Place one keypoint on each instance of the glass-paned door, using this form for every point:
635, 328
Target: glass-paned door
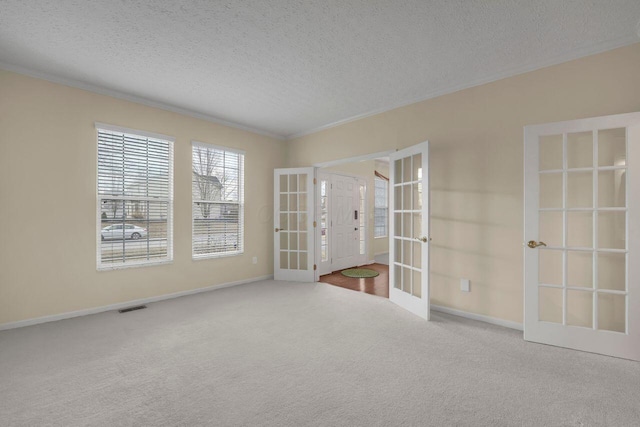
409, 229
581, 235
293, 218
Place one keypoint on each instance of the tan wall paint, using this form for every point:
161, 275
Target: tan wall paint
48, 201
477, 165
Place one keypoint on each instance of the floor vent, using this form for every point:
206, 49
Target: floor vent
128, 309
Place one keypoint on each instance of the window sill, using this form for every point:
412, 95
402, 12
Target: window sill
133, 265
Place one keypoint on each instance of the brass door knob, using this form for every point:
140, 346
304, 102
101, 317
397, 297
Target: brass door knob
423, 239
280, 229
533, 244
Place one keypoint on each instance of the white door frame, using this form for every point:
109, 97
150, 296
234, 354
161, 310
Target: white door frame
626, 345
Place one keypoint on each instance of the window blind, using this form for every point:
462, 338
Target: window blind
135, 198
218, 201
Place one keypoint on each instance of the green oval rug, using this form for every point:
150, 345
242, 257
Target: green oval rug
360, 273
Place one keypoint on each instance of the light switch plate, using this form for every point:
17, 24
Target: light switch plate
465, 285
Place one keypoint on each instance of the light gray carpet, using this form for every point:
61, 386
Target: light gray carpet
291, 354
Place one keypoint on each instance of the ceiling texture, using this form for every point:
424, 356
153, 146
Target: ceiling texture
291, 67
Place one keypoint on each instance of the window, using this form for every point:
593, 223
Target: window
135, 198
218, 201
381, 207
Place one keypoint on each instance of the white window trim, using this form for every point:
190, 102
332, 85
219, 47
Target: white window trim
141, 263
241, 204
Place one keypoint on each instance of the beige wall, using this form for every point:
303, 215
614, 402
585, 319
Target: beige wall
48, 201
477, 165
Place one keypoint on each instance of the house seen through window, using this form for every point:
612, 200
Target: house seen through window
218, 201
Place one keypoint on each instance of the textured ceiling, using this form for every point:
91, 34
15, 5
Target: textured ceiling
287, 67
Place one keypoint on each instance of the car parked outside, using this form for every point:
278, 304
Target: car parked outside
120, 231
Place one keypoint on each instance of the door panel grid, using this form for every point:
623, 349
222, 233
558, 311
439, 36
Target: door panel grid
581, 206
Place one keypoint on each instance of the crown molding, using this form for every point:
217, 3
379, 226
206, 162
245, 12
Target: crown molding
133, 98
509, 72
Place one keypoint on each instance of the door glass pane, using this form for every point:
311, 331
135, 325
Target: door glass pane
284, 202
612, 312
293, 202
302, 221
397, 280
611, 230
417, 283
303, 261
406, 197
293, 221
293, 183
551, 190
550, 230
406, 252
397, 224
397, 198
579, 308
612, 189
406, 280
293, 241
417, 167
406, 169
580, 269
550, 152
397, 171
612, 271
303, 242
406, 225
284, 221
417, 224
284, 240
579, 190
417, 196
302, 178
302, 202
612, 147
284, 260
550, 267
580, 150
550, 304
293, 260
284, 180
417, 254
397, 251
580, 229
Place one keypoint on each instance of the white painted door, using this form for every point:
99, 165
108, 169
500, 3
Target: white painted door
345, 229
409, 229
293, 218
582, 235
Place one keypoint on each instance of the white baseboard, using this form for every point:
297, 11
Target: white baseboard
480, 317
118, 306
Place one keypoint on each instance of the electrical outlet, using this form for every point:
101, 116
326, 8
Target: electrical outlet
255, 260
465, 285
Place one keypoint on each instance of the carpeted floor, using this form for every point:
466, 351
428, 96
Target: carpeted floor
290, 354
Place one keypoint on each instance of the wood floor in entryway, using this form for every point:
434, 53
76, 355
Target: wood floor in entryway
378, 285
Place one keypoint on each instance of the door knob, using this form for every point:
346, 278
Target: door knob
424, 239
533, 244
280, 229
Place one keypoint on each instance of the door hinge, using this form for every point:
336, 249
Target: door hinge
315, 267
314, 224
314, 181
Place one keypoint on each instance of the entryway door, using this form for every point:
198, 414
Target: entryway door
409, 229
582, 235
294, 211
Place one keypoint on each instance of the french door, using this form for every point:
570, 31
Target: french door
582, 235
409, 229
293, 219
